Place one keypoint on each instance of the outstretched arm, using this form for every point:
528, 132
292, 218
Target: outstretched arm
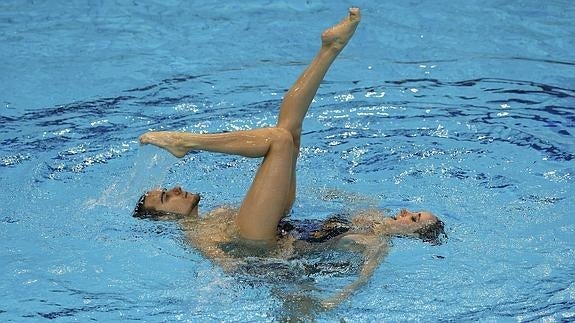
373, 250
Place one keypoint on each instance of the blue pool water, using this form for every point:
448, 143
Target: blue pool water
463, 109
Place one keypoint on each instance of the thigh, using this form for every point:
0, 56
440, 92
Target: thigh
265, 202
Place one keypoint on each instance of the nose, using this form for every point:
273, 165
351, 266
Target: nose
403, 212
177, 190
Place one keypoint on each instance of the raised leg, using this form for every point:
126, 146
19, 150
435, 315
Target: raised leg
273, 189
259, 215
298, 99
264, 203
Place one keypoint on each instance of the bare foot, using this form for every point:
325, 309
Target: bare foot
336, 37
168, 140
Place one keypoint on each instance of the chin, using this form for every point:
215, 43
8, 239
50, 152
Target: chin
194, 211
196, 201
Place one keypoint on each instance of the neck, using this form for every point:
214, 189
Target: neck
372, 220
192, 219
384, 227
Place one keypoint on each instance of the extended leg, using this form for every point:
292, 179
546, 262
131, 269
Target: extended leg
298, 99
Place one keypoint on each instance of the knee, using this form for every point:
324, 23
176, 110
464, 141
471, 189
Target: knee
296, 137
281, 138
295, 133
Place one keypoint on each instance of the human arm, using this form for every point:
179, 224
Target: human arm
373, 250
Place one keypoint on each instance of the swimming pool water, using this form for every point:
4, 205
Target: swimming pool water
466, 110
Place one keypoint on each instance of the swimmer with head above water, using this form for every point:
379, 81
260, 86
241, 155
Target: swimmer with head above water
261, 216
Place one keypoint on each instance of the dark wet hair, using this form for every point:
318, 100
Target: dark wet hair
433, 233
141, 212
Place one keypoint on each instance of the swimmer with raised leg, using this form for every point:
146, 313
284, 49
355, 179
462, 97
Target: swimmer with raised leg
273, 189
272, 192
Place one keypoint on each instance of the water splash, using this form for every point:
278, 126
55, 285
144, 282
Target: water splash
150, 169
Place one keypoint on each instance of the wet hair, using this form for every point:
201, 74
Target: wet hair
433, 233
141, 212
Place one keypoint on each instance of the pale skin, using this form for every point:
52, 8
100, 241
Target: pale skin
273, 189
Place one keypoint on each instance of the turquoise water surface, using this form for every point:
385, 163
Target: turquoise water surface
465, 109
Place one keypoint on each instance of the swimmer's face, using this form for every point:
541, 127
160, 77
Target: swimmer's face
175, 200
407, 222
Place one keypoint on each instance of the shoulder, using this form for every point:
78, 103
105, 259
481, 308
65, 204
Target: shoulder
223, 210
216, 226
364, 243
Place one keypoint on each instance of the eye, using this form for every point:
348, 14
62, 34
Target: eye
416, 217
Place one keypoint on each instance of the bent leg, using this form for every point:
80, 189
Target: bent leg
272, 191
247, 143
264, 203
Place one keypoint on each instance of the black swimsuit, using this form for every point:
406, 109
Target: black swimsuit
314, 230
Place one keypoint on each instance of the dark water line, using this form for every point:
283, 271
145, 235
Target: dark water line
512, 58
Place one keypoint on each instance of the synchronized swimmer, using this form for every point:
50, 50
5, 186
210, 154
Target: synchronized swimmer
262, 215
